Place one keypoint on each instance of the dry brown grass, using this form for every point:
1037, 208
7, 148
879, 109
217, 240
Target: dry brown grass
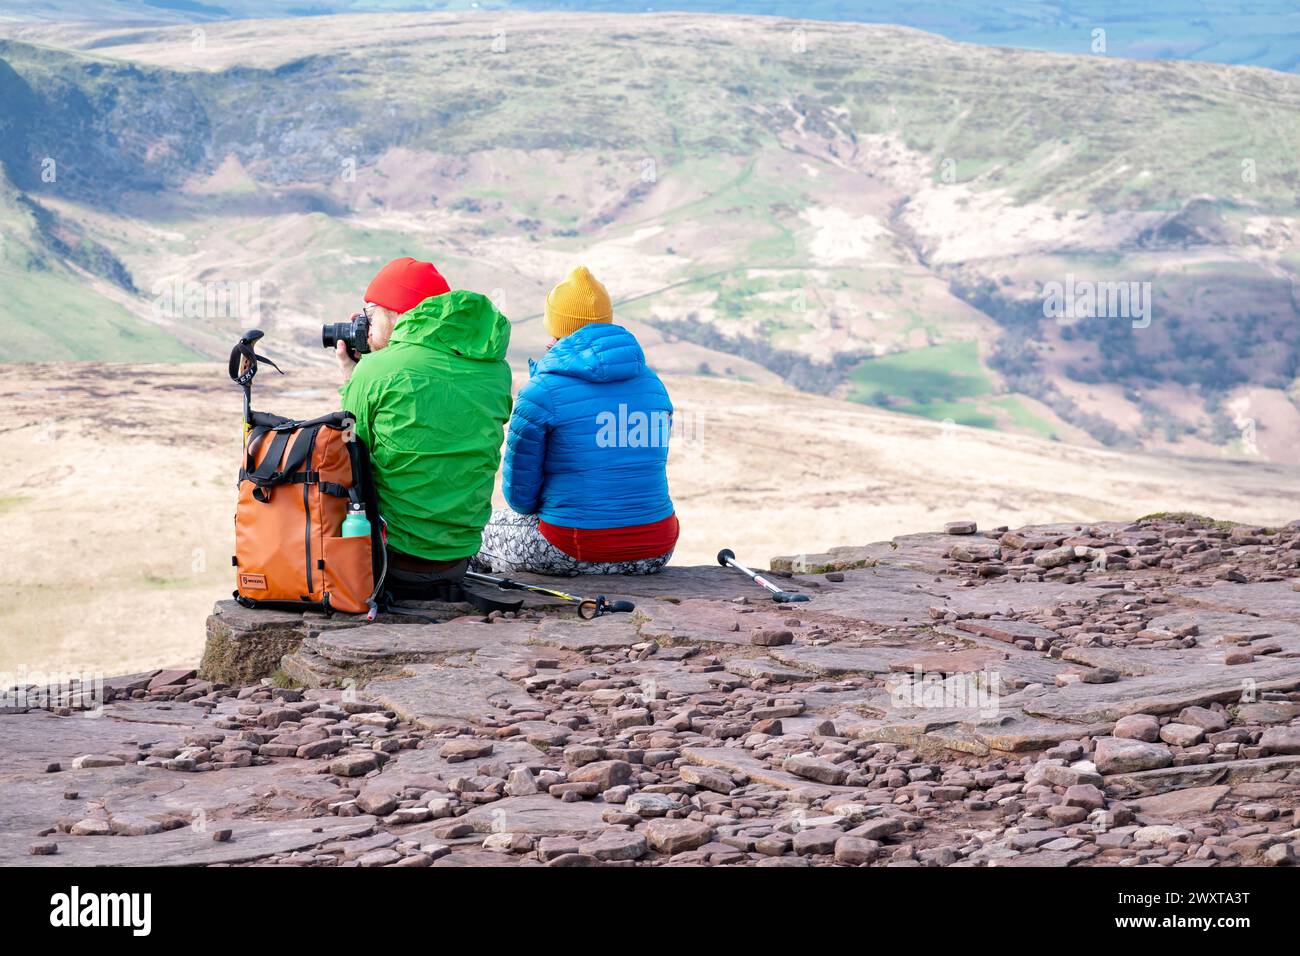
122, 487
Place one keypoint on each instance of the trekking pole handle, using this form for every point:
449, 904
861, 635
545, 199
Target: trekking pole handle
590, 609
727, 558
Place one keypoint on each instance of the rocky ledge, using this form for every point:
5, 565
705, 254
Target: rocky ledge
1115, 694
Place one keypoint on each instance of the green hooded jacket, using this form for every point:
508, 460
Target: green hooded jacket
431, 407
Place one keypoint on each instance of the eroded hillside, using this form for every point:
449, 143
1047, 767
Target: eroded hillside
863, 211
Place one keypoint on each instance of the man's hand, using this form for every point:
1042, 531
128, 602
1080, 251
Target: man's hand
346, 362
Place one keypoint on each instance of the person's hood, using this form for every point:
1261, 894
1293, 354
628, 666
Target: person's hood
460, 322
598, 352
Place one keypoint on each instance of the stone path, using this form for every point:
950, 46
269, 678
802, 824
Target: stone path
1053, 696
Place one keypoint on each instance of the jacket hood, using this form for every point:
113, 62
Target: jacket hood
460, 322
597, 353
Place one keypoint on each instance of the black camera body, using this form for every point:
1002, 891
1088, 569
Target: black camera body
355, 333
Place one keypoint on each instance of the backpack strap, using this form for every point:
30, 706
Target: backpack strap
267, 473
302, 446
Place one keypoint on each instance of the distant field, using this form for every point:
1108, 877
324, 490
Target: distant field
945, 383
931, 382
119, 531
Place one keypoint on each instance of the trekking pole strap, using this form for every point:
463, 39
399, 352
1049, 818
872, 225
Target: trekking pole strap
244, 360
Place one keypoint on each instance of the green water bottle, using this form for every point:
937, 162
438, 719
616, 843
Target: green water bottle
356, 524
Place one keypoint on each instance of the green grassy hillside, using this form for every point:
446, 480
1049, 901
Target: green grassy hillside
873, 212
52, 311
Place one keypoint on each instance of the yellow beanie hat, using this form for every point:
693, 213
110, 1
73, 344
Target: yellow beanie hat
577, 301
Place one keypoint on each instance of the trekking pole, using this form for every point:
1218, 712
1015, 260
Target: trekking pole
588, 608
243, 368
727, 558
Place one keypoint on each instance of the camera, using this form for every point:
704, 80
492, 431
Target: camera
355, 333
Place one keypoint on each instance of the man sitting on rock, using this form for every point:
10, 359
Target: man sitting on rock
430, 401
585, 470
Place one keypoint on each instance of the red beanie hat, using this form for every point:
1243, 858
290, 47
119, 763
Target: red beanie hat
405, 283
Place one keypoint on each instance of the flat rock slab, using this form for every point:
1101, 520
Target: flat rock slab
741, 761
1162, 693
896, 610
1019, 734
1124, 663
1213, 625
414, 642
1266, 712
251, 840
1202, 775
1017, 672
883, 595
967, 730
756, 668
1006, 631
667, 676
839, 660
509, 751
539, 814
480, 858
678, 582
34, 739
503, 658
705, 622
610, 630
1046, 858
35, 801
899, 595
433, 696
1270, 599
964, 661
870, 700
1180, 803
1015, 667
1007, 597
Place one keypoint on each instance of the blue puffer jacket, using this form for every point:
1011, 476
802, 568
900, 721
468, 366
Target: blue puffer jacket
588, 441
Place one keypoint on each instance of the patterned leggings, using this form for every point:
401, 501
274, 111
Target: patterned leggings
512, 542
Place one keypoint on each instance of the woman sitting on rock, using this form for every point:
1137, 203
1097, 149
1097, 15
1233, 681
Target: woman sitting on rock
587, 451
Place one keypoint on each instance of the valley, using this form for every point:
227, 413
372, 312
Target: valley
865, 212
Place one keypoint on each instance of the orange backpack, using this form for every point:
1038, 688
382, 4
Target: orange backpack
295, 486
